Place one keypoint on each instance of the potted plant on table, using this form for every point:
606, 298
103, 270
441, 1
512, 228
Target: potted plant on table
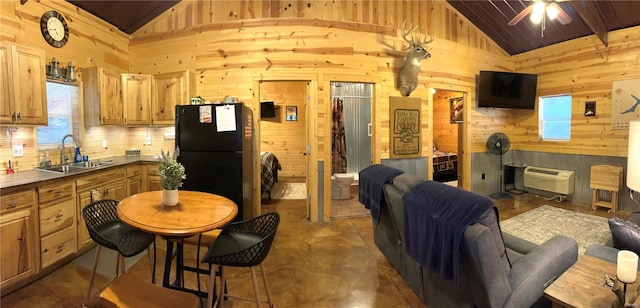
171, 176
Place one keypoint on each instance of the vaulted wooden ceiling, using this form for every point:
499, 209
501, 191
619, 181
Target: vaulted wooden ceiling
589, 17
490, 16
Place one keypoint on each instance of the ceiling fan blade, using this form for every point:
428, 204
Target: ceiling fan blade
562, 17
521, 15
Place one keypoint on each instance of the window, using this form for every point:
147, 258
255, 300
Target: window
64, 114
554, 119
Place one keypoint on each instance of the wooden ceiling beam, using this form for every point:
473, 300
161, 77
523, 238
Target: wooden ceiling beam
589, 14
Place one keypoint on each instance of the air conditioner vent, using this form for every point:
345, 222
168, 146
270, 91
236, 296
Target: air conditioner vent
553, 180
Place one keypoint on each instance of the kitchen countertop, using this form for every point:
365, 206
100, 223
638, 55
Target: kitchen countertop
25, 177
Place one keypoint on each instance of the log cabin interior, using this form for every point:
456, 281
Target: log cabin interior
293, 53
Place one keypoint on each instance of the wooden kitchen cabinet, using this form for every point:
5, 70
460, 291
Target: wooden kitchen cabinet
169, 90
152, 177
23, 85
136, 99
102, 96
108, 184
57, 208
17, 237
134, 180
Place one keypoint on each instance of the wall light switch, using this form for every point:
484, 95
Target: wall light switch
148, 140
18, 150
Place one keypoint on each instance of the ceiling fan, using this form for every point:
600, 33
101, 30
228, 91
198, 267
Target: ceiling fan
538, 10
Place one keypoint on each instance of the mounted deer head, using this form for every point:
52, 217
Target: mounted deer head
407, 79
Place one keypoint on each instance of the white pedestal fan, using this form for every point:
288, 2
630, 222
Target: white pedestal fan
498, 144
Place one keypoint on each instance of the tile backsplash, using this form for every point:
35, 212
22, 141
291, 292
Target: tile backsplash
118, 139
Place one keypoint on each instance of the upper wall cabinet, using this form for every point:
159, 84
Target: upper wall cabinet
23, 85
169, 90
136, 99
102, 97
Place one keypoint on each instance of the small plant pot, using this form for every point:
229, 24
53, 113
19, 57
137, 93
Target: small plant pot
169, 197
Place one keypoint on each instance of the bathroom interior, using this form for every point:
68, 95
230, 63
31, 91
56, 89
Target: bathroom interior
351, 104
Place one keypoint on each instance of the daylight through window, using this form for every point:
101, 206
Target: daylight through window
63, 113
554, 118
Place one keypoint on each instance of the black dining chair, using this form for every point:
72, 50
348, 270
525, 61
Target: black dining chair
242, 244
107, 230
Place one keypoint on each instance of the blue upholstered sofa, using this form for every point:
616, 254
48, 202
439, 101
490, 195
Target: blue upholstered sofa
495, 269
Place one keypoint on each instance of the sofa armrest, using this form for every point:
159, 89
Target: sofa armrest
634, 218
517, 244
539, 268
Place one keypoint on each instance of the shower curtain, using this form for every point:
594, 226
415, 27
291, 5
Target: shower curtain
339, 143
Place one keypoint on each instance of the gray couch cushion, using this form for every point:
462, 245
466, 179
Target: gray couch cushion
490, 221
626, 234
406, 181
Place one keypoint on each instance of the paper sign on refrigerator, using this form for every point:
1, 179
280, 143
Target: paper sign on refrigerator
226, 118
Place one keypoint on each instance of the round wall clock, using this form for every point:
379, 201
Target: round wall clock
54, 29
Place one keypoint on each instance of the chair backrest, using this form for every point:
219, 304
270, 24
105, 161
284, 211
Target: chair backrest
264, 227
100, 212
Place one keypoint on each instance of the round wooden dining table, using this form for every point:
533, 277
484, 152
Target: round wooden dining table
195, 213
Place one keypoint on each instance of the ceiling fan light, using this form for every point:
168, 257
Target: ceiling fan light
538, 12
552, 12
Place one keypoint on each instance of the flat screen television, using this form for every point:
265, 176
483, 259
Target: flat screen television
267, 110
507, 90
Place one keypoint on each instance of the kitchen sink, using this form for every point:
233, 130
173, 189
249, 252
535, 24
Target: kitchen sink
77, 167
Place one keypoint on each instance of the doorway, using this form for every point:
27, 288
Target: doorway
448, 107
351, 104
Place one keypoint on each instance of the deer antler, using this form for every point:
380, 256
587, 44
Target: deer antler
413, 41
404, 33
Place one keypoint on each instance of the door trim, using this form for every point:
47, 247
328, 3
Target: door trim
312, 124
376, 124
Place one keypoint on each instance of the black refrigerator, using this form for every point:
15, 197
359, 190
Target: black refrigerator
216, 149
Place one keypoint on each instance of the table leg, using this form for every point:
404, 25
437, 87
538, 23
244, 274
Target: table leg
167, 264
179, 262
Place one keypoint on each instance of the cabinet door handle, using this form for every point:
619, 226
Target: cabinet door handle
60, 248
59, 217
19, 117
13, 117
13, 203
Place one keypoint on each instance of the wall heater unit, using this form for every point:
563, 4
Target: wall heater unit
553, 180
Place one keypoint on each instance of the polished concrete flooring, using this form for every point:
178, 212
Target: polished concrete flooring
334, 264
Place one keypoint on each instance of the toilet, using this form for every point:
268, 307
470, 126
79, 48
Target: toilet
341, 186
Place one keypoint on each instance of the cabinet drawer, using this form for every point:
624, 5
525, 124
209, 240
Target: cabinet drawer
152, 170
57, 217
100, 179
57, 246
18, 200
134, 171
55, 192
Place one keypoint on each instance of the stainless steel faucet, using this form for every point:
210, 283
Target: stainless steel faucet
63, 160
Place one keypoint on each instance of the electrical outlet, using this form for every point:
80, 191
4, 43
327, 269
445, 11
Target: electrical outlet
148, 141
18, 150
104, 143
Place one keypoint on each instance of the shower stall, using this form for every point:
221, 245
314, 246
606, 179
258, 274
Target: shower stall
351, 105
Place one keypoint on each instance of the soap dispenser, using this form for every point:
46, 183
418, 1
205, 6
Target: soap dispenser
78, 157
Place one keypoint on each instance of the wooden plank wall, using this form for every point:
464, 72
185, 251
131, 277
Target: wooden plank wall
584, 68
285, 139
230, 43
92, 42
445, 134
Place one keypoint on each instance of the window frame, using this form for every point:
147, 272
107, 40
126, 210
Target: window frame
73, 116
